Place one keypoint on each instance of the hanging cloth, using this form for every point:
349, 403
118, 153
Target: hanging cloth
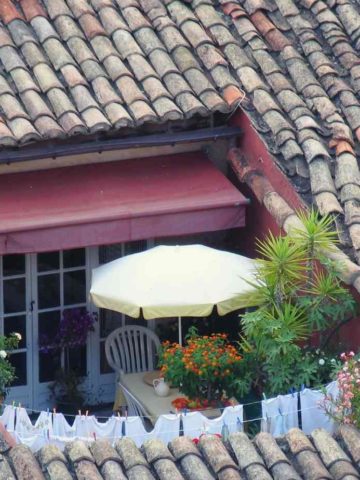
89, 427
134, 428
8, 418
61, 427
312, 414
167, 427
279, 414
34, 436
196, 424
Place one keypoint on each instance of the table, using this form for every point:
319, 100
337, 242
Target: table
145, 394
152, 403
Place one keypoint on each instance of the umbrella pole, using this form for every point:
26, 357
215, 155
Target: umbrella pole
180, 331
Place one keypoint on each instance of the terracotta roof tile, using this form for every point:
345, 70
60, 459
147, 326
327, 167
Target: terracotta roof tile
72, 124
10, 59
80, 7
133, 61
35, 105
111, 20
21, 32
33, 54
43, 28
118, 116
46, 77
23, 80
91, 26
49, 128
58, 55
264, 458
104, 91
95, 120
67, 28
8, 12
32, 9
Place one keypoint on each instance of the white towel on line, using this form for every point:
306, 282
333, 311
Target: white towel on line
279, 414
196, 424
312, 414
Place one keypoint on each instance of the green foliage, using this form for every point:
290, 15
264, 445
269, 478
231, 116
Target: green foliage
7, 371
297, 292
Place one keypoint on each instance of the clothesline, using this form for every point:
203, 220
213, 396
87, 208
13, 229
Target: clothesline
228, 424
278, 415
184, 411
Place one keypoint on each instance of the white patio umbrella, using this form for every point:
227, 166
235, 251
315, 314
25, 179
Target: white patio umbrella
168, 281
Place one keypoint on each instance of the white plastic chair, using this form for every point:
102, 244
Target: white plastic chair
131, 349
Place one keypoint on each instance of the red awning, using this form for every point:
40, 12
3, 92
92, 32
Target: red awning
115, 202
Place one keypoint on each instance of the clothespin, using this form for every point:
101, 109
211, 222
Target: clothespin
19, 404
13, 403
86, 413
118, 414
54, 410
239, 424
264, 396
47, 411
225, 432
79, 412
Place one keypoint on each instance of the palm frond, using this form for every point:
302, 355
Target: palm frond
318, 234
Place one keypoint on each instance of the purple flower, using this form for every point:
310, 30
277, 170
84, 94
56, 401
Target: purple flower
74, 328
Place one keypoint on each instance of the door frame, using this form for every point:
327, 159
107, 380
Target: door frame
23, 394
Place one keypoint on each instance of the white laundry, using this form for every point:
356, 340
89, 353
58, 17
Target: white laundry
34, 436
134, 428
8, 418
61, 427
279, 414
312, 414
167, 427
196, 424
89, 427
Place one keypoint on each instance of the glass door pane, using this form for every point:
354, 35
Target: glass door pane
15, 316
61, 284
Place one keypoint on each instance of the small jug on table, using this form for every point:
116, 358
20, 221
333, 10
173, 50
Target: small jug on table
162, 389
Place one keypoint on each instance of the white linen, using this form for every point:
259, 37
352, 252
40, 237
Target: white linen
34, 436
312, 414
89, 427
279, 414
196, 424
61, 427
8, 418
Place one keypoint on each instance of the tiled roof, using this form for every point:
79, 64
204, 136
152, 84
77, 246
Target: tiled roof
78, 66
299, 64
89, 66
292, 457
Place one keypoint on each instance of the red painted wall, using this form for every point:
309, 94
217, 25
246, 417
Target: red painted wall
258, 220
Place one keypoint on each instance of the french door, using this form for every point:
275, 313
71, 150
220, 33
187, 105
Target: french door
34, 292
36, 289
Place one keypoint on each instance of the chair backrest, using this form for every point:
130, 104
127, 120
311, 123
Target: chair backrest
132, 349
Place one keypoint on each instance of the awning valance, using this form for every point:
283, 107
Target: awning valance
115, 202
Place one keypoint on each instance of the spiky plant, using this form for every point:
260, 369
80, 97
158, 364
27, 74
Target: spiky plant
297, 292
